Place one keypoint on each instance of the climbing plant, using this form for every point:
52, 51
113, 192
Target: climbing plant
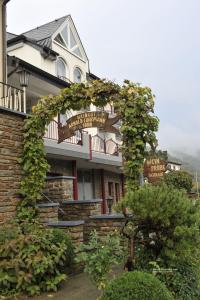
133, 103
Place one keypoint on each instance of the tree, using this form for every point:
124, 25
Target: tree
165, 225
179, 179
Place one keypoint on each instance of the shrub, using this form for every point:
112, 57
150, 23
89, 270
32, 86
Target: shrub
136, 286
165, 225
99, 255
59, 236
183, 282
30, 261
179, 180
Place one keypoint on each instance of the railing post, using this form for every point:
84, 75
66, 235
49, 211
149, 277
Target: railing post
104, 146
24, 89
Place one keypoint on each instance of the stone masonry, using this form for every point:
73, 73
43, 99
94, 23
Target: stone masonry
103, 224
80, 209
59, 188
11, 136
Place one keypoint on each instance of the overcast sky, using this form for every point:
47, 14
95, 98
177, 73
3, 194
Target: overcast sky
154, 42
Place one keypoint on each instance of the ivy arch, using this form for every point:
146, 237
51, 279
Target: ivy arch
133, 103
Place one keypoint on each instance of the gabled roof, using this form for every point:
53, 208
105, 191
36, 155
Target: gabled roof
10, 36
42, 34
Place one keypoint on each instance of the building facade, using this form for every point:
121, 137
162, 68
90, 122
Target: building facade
42, 61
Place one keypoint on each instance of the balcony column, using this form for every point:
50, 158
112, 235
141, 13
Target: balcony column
103, 207
75, 181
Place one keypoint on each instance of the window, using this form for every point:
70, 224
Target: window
62, 70
77, 75
69, 39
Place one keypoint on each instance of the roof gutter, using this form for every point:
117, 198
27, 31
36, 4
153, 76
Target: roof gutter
22, 38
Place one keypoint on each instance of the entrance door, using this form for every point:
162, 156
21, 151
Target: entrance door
85, 185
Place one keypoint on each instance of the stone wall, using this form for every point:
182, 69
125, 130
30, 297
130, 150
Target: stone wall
103, 224
74, 228
48, 212
80, 209
11, 136
59, 188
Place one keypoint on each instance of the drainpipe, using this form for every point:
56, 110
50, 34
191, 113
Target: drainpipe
3, 42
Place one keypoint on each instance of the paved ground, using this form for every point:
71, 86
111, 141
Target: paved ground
77, 287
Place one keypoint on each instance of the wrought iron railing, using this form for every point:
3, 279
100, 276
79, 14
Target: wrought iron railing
12, 98
104, 146
52, 134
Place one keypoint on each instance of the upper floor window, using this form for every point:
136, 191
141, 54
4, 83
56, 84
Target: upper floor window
77, 75
62, 69
67, 38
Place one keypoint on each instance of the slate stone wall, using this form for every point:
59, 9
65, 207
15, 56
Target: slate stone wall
80, 210
59, 188
11, 136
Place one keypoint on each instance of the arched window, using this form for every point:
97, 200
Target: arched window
77, 75
62, 70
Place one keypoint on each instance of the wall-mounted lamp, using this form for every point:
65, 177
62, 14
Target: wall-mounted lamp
24, 81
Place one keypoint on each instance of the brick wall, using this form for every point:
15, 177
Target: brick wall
11, 135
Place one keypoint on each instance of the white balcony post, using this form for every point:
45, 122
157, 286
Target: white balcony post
24, 89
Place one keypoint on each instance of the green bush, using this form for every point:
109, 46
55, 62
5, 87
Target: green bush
30, 261
99, 255
183, 282
136, 286
165, 225
59, 236
179, 180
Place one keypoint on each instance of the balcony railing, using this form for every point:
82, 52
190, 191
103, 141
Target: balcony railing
52, 134
12, 98
104, 146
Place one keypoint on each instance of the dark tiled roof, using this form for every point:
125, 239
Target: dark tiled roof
10, 36
42, 34
45, 42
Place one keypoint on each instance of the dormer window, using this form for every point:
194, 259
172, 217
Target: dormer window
62, 69
77, 75
68, 39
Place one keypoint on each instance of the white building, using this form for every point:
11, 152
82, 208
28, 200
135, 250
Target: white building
40, 62
173, 166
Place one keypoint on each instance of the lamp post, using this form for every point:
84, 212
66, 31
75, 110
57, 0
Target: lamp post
24, 80
109, 203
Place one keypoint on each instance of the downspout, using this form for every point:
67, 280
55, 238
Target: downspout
3, 42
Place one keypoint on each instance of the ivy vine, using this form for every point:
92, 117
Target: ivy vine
133, 103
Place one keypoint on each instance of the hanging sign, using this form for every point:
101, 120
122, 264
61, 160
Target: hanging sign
154, 169
97, 119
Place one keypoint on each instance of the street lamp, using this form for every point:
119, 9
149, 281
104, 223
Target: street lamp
109, 203
24, 81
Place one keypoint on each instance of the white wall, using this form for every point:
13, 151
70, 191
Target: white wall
72, 61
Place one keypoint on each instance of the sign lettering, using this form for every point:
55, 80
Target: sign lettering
154, 169
87, 120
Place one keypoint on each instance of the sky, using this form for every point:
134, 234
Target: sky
155, 43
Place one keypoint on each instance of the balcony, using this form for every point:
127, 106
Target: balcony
82, 145
52, 134
12, 98
104, 146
